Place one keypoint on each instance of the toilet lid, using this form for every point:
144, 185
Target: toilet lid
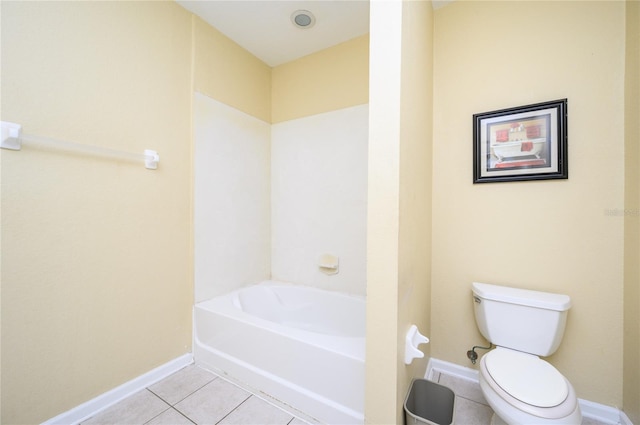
526, 377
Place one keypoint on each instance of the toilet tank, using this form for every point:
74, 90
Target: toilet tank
520, 319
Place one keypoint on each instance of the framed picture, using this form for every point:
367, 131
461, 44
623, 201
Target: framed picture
524, 143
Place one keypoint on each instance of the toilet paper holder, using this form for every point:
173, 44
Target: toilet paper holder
412, 340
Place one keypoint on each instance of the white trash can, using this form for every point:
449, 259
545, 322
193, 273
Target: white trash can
429, 403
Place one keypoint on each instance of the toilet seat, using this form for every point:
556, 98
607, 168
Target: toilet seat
527, 378
566, 408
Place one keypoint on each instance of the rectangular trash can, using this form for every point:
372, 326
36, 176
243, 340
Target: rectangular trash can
429, 403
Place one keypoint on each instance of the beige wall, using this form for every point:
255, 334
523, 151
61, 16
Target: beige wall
548, 235
226, 72
97, 282
96, 256
631, 386
328, 80
414, 279
399, 219
383, 211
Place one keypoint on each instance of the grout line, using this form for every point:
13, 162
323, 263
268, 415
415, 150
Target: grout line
188, 395
235, 408
473, 401
183, 415
157, 395
158, 413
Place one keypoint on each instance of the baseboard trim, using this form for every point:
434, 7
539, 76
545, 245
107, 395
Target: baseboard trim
103, 401
591, 410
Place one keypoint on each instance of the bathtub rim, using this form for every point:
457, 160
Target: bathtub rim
334, 343
288, 394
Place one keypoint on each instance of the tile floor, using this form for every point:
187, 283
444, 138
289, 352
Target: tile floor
196, 396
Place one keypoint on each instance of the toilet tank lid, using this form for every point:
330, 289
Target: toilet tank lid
527, 297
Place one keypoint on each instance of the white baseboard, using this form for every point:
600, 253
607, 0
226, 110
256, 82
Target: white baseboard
591, 410
600, 412
100, 403
436, 365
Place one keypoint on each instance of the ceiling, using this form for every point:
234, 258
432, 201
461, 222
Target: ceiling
265, 28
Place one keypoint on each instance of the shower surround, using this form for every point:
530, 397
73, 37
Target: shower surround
270, 200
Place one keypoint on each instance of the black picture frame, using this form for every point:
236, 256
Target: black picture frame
522, 143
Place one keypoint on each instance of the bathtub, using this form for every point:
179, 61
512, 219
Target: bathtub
302, 346
515, 149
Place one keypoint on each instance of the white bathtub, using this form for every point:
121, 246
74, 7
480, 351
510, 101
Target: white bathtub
303, 346
515, 149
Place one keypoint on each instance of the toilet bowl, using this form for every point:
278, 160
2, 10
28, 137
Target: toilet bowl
524, 325
524, 389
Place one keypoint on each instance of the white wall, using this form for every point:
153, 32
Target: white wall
250, 226
232, 196
319, 198
271, 199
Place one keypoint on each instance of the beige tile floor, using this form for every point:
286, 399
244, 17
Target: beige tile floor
196, 396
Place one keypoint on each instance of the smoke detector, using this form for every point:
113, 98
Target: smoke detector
303, 19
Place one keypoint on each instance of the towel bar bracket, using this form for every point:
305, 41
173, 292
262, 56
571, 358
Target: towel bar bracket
11, 136
151, 159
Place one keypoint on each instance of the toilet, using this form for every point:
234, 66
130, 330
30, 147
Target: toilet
520, 387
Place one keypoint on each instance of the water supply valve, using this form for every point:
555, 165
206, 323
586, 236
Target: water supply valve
473, 356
